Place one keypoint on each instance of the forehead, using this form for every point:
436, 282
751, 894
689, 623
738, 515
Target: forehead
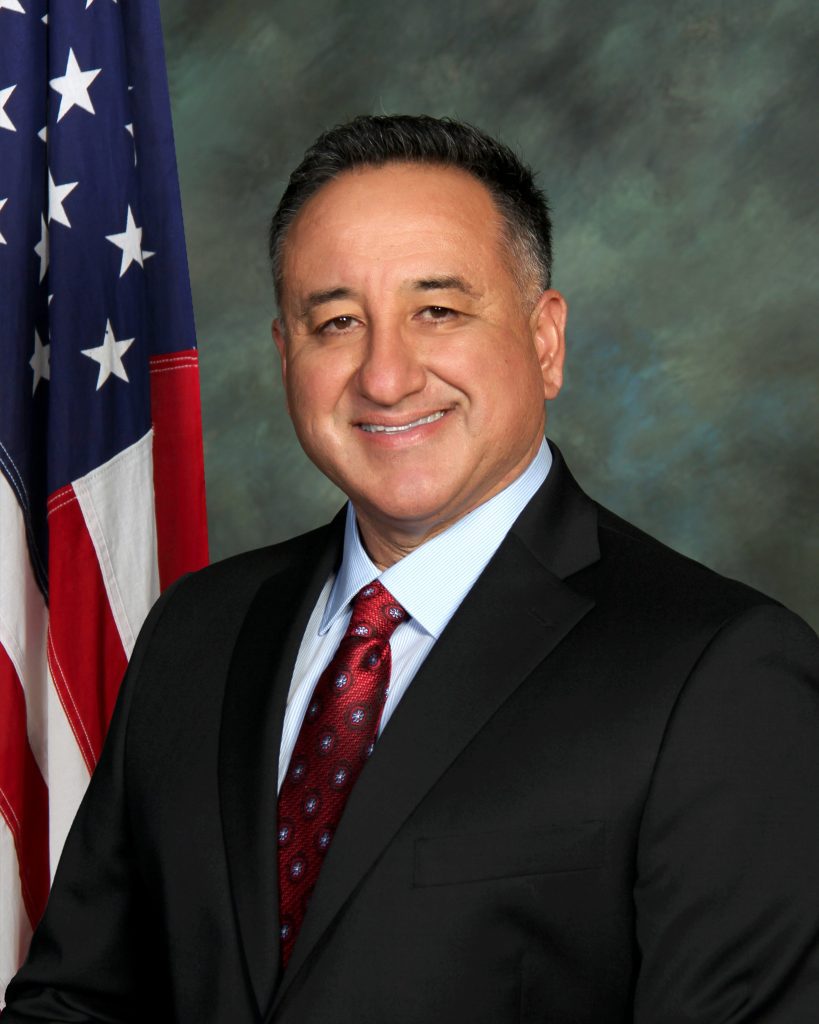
395, 212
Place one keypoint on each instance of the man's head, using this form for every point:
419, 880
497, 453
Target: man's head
417, 344
369, 141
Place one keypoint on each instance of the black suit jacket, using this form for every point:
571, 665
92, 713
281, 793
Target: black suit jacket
597, 802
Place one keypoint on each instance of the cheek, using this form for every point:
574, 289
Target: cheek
493, 371
511, 393
316, 402
311, 385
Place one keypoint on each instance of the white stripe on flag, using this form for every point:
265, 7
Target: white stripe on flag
117, 503
67, 777
15, 932
23, 621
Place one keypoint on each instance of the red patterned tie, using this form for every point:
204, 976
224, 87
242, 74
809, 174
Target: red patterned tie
336, 738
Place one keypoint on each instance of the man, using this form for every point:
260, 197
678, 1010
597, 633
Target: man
532, 764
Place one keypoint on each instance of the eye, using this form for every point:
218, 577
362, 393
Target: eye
338, 325
437, 313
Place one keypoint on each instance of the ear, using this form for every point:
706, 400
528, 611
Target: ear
278, 331
279, 337
548, 325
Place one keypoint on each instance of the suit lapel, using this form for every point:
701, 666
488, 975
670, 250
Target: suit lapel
255, 698
522, 602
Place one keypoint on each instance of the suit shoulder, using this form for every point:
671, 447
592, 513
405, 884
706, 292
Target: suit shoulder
248, 569
651, 574
218, 595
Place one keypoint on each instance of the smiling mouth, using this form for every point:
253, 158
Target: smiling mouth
379, 428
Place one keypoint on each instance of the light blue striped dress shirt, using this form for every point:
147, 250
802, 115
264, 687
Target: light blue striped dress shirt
429, 583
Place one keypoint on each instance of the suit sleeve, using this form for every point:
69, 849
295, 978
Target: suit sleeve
727, 887
91, 955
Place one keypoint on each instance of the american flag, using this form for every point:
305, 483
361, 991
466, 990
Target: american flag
101, 474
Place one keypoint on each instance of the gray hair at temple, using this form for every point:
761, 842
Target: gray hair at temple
370, 141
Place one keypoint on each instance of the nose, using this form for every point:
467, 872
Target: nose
391, 368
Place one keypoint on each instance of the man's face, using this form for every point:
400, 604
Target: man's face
414, 368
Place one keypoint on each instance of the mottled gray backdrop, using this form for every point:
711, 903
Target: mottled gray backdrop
678, 143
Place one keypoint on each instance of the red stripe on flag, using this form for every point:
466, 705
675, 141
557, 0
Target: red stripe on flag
85, 653
23, 793
179, 470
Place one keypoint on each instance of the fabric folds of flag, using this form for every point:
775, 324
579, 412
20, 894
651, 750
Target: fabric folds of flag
102, 498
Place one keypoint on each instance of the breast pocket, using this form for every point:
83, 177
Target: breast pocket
475, 857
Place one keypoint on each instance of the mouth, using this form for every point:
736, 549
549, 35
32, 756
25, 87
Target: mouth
381, 428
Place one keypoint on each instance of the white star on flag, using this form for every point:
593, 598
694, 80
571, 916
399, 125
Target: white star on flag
109, 355
12, 5
5, 120
40, 362
87, 3
73, 87
56, 197
130, 241
2, 204
41, 248
130, 129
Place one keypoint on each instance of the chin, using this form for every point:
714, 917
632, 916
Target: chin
412, 512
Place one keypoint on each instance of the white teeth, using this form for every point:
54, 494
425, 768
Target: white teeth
377, 428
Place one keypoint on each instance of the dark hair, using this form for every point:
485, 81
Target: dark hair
374, 141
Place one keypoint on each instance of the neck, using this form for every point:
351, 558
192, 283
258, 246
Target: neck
386, 547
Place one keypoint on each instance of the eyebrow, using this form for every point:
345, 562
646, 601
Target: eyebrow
449, 283
425, 284
320, 297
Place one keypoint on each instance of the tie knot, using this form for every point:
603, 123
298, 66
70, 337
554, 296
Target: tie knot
376, 613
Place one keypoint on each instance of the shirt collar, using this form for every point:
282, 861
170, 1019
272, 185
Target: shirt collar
431, 581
